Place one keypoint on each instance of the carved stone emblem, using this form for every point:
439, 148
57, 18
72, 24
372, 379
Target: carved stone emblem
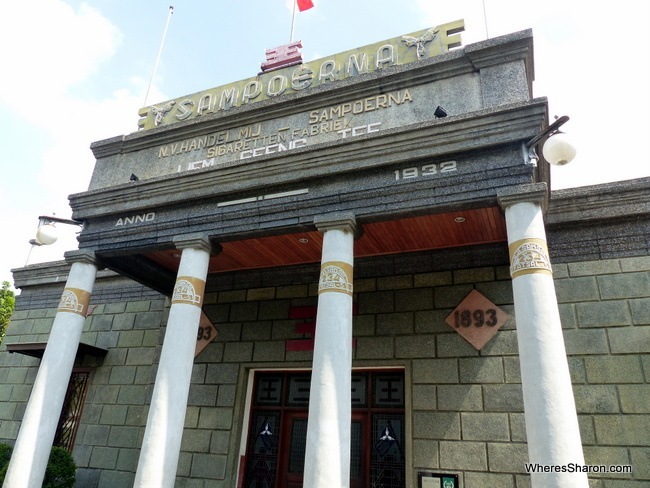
335, 276
529, 256
419, 42
188, 290
159, 113
74, 300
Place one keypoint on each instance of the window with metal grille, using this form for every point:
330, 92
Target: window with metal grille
275, 453
75, 398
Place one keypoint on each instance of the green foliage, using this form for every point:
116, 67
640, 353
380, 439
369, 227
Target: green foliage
5, 456
7, 304
60, 467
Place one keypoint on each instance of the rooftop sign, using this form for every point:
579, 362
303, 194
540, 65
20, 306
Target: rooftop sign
405, 49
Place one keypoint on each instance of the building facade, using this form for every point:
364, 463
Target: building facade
342, 273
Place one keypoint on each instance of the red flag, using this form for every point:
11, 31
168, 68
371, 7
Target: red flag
305, 4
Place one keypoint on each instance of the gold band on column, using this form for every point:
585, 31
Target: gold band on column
189, 290
529, 256
74, 300
335, 276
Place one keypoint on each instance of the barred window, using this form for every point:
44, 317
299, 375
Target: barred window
75, 398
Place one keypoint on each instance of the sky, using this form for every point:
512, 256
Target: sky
75, 72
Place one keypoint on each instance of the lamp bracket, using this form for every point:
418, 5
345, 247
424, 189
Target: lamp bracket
528, 148
551, 129
46, 219
530, 155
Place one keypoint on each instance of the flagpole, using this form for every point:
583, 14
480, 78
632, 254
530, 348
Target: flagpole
487, 36
162, 41
293, 20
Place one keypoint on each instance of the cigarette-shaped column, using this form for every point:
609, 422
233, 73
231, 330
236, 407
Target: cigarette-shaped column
549, 406
327, 455
162, 437
38, 428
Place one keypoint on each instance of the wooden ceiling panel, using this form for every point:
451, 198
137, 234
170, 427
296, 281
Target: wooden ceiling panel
462, 228
267, 252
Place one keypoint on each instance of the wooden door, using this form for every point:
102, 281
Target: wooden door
275, 453
292, 450
358, 450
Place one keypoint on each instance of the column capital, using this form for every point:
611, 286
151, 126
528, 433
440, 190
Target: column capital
83, 256
345, 221
531, 193
196, 241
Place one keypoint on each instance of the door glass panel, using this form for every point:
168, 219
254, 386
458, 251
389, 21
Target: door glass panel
359, 391
389, 390
268, 390
263, 450
297, 446
387, 459
356, 451
299, 386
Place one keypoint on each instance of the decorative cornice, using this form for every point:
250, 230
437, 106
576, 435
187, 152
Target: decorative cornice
533, 193
490, 52
616, 199
200, 242
49, 273
338, 220
451, 135
108, 147
83, 256
473, 57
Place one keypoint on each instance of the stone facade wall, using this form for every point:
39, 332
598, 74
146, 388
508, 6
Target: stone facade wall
115, 411
605, 308
464, 407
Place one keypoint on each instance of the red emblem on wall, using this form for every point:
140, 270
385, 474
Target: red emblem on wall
305, 318
283, 56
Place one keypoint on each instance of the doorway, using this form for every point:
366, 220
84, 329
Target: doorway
275, 453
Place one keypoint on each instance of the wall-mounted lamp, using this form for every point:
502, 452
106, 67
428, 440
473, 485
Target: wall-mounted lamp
557, 150
47, 233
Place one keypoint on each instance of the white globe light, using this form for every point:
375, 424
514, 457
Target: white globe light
47, 234
558, 150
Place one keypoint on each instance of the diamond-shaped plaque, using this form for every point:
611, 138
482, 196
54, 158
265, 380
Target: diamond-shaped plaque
206, 333
477, 319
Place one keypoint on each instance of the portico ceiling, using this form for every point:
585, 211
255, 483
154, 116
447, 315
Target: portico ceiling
427, 232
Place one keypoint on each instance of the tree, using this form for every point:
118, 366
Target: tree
60, 471
7, 304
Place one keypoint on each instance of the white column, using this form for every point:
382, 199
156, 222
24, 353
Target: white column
549, 407
327, 455
38, 427
162, 437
